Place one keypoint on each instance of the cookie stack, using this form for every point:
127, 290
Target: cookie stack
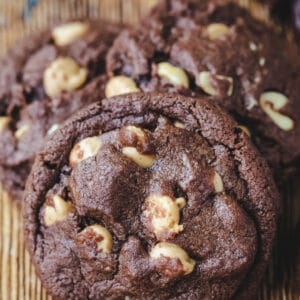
152, 151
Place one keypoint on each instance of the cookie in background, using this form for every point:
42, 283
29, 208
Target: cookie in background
43, 80
216, 48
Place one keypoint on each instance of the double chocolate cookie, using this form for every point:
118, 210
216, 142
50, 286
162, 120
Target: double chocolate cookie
150, 196
217, 48
43, 80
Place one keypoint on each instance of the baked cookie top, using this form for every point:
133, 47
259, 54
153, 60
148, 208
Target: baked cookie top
43, 80
150, 196
217, 48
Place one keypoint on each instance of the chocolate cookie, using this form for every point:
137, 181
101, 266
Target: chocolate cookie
43, 80
208, 47
150, 196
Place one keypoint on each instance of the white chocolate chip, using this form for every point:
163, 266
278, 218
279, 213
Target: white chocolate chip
245, 129
271, 103
181, 202
137, 131
253, 46
218, 183
137, 138
142, 160
262, 61
257, 78
84, 149
57, 213
21, 131
204, 81
229, 80
179, 125
217, 30
173, 251
52, 129
250, 102
67, 33
120, 85
105, 242
63, 74
175, 75
4, 121
163, 212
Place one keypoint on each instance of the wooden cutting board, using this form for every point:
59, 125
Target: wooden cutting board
17, 276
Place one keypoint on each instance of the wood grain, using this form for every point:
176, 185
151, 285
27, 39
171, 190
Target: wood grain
18, 280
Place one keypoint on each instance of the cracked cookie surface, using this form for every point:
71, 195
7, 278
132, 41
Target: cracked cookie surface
150, 197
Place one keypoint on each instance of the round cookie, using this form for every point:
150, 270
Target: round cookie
150, 196
211, 48
43, 80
